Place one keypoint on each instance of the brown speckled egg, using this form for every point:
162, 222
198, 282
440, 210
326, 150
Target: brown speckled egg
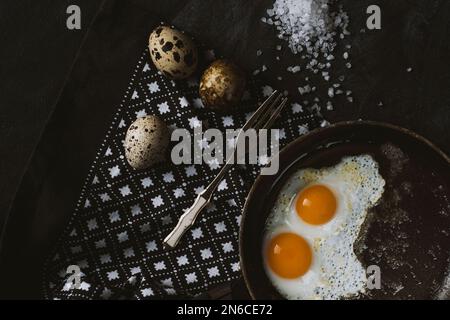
146, 142
222, 85
172, 52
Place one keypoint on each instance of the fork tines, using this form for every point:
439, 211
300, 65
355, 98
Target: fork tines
267, 113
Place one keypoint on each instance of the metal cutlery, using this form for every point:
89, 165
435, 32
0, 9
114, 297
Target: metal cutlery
263, 118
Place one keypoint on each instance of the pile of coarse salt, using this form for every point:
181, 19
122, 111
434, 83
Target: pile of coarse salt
308, 25
312, 29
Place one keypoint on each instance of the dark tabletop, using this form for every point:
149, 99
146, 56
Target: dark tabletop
38, 51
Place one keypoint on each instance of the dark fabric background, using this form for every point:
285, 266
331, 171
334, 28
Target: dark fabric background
38, 54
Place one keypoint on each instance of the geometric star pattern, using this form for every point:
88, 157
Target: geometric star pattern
116, 231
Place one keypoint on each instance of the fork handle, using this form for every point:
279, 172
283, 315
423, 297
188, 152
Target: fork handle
185, 222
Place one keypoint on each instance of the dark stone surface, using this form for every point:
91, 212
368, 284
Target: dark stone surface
37, 53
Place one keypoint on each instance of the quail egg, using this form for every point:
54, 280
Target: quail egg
172, 52
146, 142
222, 85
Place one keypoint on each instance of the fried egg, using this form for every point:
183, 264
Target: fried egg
313, 225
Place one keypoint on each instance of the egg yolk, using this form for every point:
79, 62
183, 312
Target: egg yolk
289, 255
316, 204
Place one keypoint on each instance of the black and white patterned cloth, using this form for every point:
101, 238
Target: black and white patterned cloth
122, 216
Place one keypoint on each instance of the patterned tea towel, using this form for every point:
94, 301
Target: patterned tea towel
122, 216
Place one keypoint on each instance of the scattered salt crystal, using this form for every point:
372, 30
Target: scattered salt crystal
324, 123
264, 68
303, 129
296, 108
345, 55
331, 92
267, 91
409, 69
295, 69
329, 105
258, 53
305, 89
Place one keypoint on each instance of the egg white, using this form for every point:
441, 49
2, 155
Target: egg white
335, 271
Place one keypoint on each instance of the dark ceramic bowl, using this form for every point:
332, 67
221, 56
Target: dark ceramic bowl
408, 232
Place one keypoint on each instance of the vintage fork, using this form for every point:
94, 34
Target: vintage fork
263, 118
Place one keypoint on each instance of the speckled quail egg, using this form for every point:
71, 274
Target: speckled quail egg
146, 142
222, 85
172, 52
